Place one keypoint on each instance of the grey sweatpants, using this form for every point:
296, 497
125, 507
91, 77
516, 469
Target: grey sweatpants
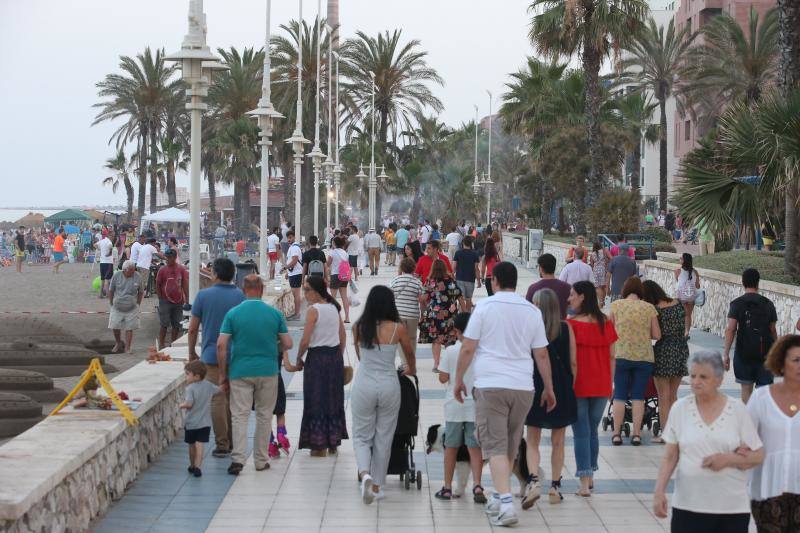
375, 405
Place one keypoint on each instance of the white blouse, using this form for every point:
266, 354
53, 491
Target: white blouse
326, 329
699, 489
780, 471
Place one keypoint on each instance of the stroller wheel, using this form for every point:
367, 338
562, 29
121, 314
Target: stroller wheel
626, 428
419, 479
656, 428
606, 423
406, 482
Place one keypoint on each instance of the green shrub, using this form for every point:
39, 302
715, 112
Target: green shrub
663, 247
659, 235
615, 211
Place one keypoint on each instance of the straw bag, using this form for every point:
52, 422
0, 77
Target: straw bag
348, 369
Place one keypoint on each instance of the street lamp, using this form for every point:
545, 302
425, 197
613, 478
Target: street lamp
328, 165
297, 140
197, 65
488, 181
316, 154
372, 179
265, 113
337, 170
476, 186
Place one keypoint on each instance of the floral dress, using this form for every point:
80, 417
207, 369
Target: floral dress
437, 319
672, 350
599, 266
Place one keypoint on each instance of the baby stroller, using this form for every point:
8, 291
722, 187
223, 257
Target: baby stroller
401, 461
650, 418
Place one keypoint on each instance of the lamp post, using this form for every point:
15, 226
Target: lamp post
329, 165
297, 140
337, 169
476, 185
361, 177
488, 181
372, 179
316, 154
265, 113
197, 65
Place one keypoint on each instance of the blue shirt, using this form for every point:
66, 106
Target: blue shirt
210, 307
254, 327
401, 238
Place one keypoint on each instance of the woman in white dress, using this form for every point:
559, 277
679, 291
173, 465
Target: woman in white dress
775, 484
712, 440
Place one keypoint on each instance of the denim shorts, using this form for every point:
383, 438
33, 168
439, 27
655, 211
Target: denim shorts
458, 433
630, 379
749, 372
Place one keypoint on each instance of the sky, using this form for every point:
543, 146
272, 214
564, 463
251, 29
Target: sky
53, 52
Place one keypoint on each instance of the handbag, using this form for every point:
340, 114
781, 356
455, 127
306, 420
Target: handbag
700, 299
348, 369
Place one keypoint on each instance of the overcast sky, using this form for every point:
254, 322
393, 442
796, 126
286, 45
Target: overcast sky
53, 52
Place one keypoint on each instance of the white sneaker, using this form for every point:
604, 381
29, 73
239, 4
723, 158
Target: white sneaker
380, 495
507, 518
493, 507
367, 495
533, 491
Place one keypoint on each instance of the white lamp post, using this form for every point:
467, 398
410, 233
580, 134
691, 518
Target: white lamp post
316, 154
329, 164
361, 177
297, 140
373, 184
265, 113
488, 181
476, 185
197, 65
337, 170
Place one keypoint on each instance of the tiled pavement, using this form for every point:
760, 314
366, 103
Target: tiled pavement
302, 494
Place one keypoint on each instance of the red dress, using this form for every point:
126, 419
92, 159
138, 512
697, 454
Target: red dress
593, 355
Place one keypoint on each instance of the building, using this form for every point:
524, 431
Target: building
162, 199
695, 14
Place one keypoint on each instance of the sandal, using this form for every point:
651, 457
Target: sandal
444, 494
616, 440
555, 495
658, 440
636, 440
478, 495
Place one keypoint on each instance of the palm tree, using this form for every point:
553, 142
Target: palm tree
238, 142
120, 165
595, 28
656, 58
402, 78
636, 112
139, 96
732, 63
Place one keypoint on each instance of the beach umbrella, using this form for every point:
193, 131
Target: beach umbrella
68, 215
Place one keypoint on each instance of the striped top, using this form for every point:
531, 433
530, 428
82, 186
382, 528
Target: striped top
407, 289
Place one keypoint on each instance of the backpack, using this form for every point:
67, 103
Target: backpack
316, 268
344, 270
754, 338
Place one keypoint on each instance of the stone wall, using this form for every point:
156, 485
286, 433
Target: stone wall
721, 288
559, 250
68, 469
515, 247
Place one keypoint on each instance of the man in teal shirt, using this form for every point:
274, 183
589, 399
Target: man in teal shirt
401, 237
253, 330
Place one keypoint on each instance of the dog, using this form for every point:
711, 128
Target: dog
434, 442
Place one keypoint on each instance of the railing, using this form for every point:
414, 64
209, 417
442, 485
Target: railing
640, 241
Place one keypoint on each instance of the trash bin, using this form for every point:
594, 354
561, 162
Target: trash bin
243, 270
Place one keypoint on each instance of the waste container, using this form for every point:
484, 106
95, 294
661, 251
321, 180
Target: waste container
243, 270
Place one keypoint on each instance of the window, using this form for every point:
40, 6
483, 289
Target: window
687, 130
641, 177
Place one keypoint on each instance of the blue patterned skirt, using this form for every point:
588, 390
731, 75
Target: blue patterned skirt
323, 424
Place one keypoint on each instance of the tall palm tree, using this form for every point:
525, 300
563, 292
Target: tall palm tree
402, 79
120, 165
595, 28
636, 113
654, 65
139, 96
733, 63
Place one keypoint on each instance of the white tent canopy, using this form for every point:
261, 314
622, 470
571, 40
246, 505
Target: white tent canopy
173, 214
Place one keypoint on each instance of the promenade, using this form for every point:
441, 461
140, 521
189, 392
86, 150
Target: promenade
303, 494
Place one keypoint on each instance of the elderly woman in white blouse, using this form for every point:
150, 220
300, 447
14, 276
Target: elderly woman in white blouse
775, 484
712, 440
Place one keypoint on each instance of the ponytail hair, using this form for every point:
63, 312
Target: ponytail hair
318, 285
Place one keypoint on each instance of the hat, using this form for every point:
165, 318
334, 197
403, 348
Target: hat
171, 251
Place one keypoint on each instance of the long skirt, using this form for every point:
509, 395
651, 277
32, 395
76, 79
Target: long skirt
323, 424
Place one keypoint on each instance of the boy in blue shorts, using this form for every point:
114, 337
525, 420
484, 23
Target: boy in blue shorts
197, 403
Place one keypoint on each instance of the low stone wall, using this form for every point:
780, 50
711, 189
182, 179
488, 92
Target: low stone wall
559, 250
721, 288
68, 469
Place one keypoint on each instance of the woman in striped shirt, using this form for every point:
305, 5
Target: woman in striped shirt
407, 290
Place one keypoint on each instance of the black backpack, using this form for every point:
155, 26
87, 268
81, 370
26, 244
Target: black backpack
754, 335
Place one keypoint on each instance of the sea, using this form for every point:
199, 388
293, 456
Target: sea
12, 215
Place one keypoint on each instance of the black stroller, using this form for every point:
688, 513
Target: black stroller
401, 461
650, 418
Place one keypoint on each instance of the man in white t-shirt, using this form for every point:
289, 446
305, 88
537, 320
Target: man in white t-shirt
577, 270
273, 246
105, 250
424, 233
294, 272
135, 247
459, 419
354, 247
453, 241
145, 260
502, 333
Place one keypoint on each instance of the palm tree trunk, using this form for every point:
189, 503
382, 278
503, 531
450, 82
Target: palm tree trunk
591, 60
153, 171
212, 196
636, 166
129, 196
142, 169
171, 192
245, 207
789, 80
662, 153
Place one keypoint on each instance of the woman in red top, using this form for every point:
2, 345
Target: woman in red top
488, 261
594, 339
